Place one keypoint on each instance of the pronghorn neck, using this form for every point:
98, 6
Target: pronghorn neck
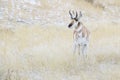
79, 26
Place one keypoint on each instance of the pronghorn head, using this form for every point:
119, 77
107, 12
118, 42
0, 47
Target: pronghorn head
75, 17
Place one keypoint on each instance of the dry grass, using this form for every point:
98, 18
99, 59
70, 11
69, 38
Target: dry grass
34, 53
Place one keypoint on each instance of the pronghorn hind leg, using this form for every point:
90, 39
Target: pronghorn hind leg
79, 50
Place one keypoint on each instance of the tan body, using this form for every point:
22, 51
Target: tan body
85, 32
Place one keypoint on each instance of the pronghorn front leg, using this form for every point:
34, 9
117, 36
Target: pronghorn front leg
74, 43
84, 49
74, 47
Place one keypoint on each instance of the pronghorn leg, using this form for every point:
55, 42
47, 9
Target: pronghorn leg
79, 49
74, 48
84, 50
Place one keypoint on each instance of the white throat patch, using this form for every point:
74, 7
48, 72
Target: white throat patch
76, 25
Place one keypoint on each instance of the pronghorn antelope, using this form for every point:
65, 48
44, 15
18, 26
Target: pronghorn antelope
80, 34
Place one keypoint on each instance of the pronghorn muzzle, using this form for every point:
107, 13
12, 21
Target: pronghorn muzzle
69, 26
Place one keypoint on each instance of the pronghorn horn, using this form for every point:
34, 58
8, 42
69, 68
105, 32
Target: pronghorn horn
70, 14
80, 15
76, 15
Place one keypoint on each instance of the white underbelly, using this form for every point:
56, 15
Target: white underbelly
81, 40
